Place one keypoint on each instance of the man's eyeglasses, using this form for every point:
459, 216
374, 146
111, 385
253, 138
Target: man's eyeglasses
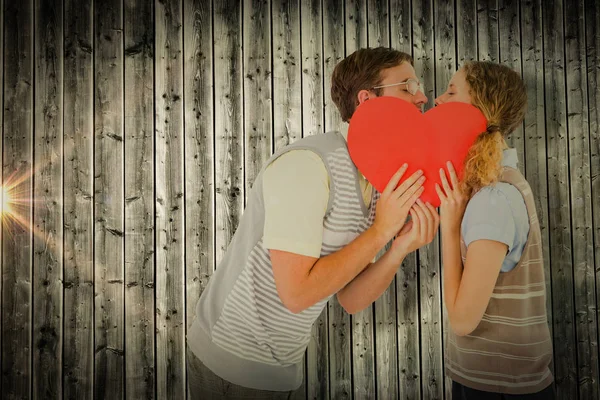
412, 86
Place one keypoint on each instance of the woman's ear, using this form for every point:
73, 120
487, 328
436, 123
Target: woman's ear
363, 96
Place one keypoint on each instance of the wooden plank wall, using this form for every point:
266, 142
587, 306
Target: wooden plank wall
132, 131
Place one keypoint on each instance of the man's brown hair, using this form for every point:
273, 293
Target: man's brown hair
361, 70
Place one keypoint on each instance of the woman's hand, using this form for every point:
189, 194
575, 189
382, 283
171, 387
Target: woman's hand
420, 230
453, 200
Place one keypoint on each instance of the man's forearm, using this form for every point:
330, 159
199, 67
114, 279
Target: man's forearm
332, 272
369, 285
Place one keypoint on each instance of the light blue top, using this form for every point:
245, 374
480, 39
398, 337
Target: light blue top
498, 213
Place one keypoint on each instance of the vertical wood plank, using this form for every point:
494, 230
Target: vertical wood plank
229, 141
78, 369
429, 257
582, 238
355, 25
139, 200
510, 53
17, 170
169, 206
535, 128
199, 151
317, 354
363, 345
287, 85
407, 283
378, 23
340, 335
592, 32
565, 345
487, 30
257, 87
47, 190
2, 199
108, 201
466, 31
445, 56
287, 79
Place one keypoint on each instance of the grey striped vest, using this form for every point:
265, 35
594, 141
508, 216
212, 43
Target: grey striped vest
242, 330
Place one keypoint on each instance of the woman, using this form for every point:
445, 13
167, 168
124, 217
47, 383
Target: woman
494, 286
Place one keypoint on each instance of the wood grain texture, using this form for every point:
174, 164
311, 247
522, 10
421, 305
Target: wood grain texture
47, 189
487, 31
510, 55
108, 201
466, 30
559, 204
592, 34
17, 171
78, 210
199, 151
169, 205
140, 326
582, 238
535, 130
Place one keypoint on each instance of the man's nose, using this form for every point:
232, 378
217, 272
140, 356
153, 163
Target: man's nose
420, 98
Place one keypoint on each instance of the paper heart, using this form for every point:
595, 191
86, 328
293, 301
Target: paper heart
386, 132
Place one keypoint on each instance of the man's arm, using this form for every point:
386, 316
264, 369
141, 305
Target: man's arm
369, 285
303, 281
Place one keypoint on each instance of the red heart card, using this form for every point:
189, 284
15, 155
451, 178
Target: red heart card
386, 132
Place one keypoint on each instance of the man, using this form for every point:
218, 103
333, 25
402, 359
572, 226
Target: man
310, 230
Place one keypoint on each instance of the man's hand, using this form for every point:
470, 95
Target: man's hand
419, 231
395, 203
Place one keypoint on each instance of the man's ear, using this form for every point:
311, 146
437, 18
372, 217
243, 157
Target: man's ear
363, 96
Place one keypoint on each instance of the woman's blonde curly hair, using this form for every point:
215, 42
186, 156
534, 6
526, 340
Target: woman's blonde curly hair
500, 94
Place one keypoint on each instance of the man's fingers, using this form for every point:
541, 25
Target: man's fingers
415, 179
394, 180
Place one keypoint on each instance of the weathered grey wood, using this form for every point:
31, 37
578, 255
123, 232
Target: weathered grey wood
17, 170
592, 26
407, 284
229, 140
340, 334
108, 201
199, 151
47, 190
317, 355
445, 66
432, 379
139, 200
257, 73
287, 80
2, 199
355, 25
363, 345
487, 30
535, 128
78, 368
561, 259
466, 30
312, 68
169, 206
581, 206
510, 55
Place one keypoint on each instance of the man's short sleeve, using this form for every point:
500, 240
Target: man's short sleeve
489, 217
296, 193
